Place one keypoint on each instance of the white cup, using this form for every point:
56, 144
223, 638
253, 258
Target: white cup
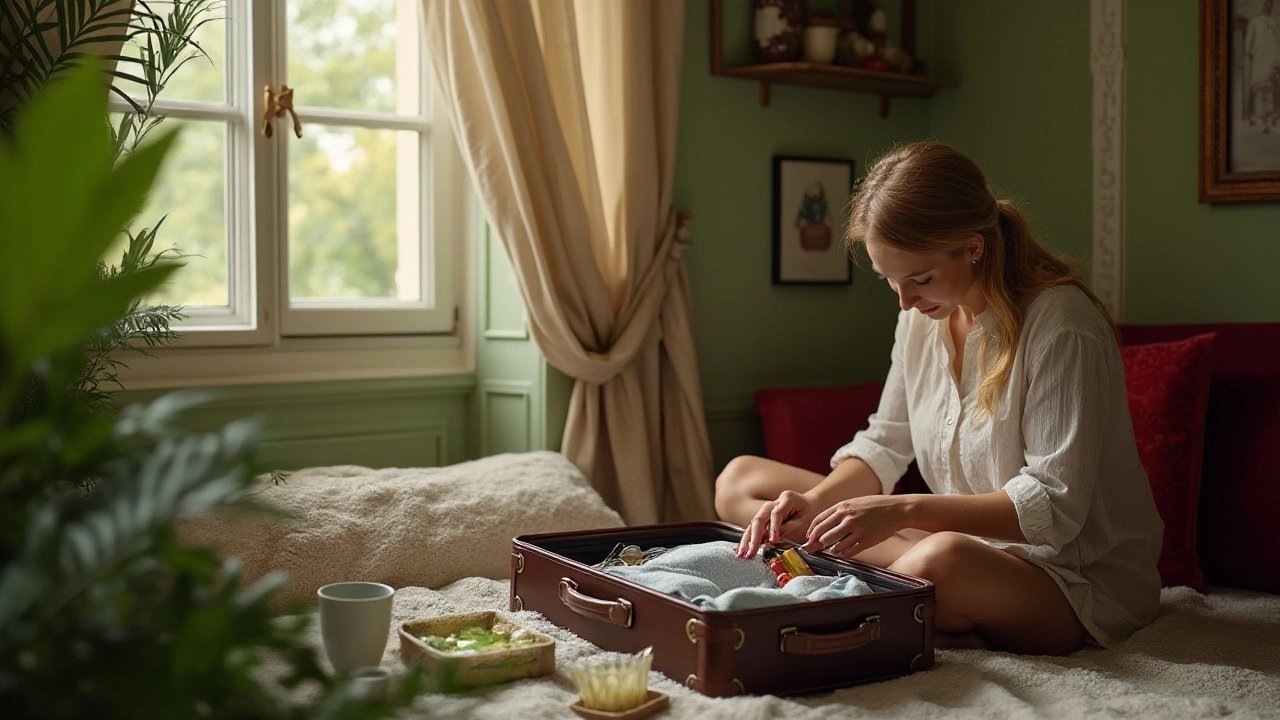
355, 620
820, 43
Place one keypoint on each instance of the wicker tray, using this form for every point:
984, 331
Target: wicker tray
474, 669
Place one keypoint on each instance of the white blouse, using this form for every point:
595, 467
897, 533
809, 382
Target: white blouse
1060, 443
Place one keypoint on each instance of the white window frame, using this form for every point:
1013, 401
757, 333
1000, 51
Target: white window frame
262, 339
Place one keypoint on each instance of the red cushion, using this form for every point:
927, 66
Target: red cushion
805, 426
1168, 387
1239, 495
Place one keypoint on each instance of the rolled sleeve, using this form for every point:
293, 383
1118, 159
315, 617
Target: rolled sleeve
1035, 510
1063, 437
887, 465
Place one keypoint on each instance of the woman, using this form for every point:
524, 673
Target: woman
1007, 388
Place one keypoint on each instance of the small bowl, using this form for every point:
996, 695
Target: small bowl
462, 670
657, 701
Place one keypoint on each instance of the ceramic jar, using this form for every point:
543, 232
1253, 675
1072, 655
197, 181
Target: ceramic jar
820, 43
779, 25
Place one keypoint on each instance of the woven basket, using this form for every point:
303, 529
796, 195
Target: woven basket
460, 670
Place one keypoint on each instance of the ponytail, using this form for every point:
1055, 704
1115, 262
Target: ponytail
1019, 269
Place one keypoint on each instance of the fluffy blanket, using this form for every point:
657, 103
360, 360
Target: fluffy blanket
401, 526
1205, 656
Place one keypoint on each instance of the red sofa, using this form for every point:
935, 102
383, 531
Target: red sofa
1236, 521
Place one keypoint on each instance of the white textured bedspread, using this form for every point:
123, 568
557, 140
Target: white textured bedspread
1206, 656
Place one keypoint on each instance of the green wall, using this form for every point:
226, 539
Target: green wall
749, 333
395, 422
1024, 112
1184, 261
1022, 108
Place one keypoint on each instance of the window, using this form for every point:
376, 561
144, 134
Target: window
353, 229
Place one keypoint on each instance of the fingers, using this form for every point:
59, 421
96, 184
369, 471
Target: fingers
781, 513
829, 530
754, 535
847, 546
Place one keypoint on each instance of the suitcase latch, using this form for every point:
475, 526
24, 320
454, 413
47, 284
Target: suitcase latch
695, 628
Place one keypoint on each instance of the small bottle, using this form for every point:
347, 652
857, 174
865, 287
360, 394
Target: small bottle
777, 562
794, 564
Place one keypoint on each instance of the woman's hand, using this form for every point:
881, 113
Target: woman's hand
785, 518
851, 526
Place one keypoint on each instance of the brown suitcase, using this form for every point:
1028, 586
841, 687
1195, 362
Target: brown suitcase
790, 649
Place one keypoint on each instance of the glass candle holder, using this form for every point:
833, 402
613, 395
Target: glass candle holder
613, 684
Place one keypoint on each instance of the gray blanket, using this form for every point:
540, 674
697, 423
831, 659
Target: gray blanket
712, 576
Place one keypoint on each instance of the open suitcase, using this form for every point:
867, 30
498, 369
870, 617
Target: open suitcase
790, 649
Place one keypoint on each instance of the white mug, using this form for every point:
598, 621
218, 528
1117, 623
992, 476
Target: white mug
355, 621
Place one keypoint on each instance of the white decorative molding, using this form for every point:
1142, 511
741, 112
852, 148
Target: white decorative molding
1106, 62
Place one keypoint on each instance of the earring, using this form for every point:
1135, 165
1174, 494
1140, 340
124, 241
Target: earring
974, 261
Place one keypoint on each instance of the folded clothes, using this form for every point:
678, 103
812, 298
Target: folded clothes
712, 576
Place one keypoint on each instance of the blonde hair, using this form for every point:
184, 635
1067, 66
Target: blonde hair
927, 197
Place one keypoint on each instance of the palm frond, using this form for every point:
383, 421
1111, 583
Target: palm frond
179, 476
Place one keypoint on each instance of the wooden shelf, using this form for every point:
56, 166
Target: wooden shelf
884, 83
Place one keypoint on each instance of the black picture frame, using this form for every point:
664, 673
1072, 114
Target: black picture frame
810, 198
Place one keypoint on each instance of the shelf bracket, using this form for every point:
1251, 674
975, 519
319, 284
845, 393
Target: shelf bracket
884, 106
764, 94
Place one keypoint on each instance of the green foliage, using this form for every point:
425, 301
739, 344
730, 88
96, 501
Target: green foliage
40, 41
44, 39
103, 613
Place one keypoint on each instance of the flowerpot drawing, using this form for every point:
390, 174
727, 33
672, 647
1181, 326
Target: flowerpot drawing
815, 237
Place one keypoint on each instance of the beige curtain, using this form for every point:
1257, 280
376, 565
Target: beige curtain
566, 113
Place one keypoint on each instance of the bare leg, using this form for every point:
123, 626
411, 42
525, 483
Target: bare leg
888, 552
748, 482
1009, 602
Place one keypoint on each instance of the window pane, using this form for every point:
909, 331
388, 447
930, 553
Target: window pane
354, 54
202, 77
190, 195
354, 228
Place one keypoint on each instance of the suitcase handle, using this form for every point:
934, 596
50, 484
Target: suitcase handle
794, 642
617, 611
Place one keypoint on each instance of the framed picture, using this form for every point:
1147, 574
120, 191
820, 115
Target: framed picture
810, 199
1239, 100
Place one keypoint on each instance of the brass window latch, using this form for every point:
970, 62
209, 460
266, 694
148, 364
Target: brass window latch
276, 105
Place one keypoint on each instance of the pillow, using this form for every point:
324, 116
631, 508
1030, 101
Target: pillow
805, 426
1168, 389
404, 527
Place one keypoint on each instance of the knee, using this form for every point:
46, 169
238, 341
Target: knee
732, 484
937, 558
941, 559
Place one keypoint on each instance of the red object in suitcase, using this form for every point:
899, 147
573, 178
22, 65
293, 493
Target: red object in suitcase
791, 649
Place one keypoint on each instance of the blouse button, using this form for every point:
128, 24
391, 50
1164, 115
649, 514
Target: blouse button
950, 420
